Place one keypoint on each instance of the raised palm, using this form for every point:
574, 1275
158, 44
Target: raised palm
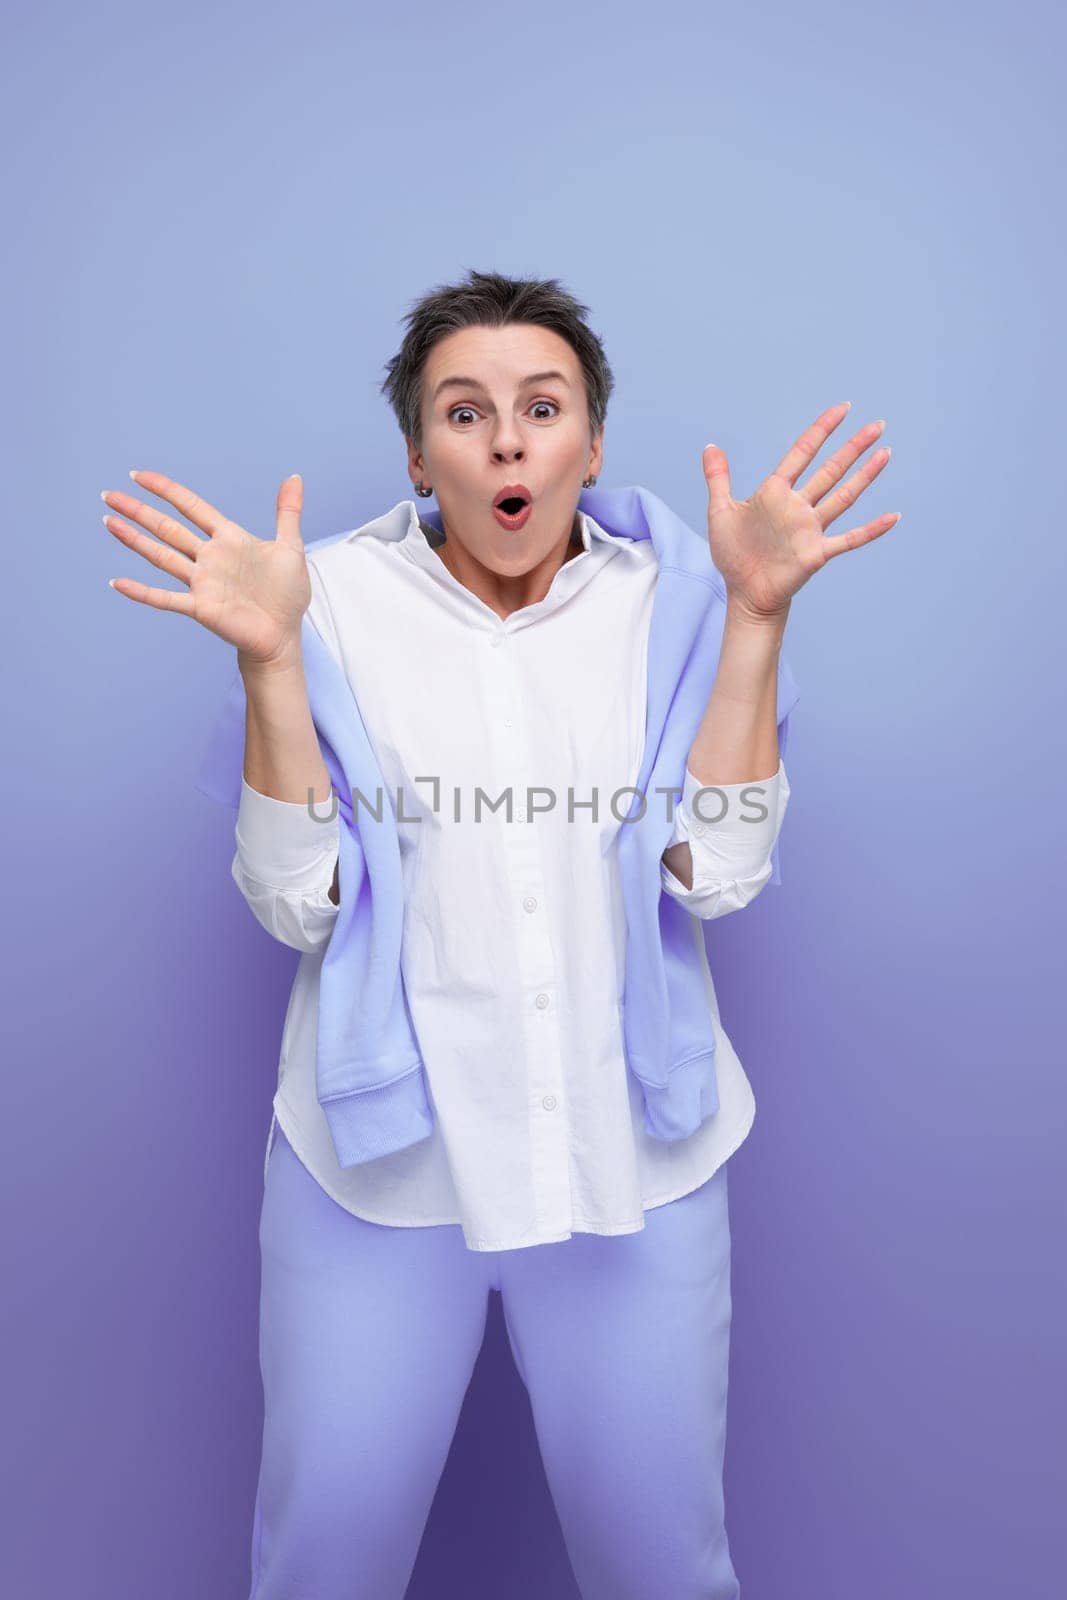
251, 592
768, 546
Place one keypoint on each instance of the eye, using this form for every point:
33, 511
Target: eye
470, 409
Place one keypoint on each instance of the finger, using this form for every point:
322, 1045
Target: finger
199, 512
801, 454
168, 528
717, 474
162, 599
290, 505
838, 464
838, 543
850, 491
160, 555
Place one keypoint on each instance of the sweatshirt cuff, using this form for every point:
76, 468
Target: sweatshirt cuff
281, 843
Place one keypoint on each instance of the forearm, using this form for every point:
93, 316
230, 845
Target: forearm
737, 740
282, 756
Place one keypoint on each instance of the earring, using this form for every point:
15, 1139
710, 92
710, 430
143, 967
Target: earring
587, 483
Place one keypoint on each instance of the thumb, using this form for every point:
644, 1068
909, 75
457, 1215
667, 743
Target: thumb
290, 505
717, 474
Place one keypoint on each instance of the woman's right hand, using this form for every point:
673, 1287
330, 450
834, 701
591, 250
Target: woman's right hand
251, 592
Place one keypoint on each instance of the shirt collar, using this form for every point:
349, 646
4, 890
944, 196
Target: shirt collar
599, 547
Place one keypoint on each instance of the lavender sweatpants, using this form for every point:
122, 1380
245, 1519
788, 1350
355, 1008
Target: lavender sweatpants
368, 1339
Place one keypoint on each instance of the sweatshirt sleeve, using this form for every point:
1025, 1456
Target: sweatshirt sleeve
732, 855
284, 866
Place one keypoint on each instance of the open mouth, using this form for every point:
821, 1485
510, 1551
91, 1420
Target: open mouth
512, 506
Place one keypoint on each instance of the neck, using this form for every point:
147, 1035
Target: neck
502, 593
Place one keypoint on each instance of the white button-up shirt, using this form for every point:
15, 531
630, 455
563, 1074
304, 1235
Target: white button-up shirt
514, 932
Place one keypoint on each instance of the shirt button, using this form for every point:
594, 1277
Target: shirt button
529, 904
698, 829
541, 1002
507, 722
498, 638
520, 815
549, 1102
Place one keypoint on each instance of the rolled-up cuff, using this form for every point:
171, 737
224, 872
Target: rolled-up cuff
730, 828
282, 842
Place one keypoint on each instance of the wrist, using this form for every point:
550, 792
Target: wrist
741, 615
287, 662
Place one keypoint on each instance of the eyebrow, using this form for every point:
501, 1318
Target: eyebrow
472, 383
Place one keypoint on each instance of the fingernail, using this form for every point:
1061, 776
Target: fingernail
134, 475
293, 475
104, 494
847, 404
111, 584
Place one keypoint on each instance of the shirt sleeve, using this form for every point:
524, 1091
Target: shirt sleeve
320, 612
731, 829
284, 866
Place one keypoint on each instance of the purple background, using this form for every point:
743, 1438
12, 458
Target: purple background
217, 220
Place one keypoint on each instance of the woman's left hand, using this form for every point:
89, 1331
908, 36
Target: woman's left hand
767, 548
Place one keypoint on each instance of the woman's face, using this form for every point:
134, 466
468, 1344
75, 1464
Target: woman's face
496, 428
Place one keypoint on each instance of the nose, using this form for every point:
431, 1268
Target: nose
507, 439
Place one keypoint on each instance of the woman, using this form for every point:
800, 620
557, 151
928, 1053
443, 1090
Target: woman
502, 1065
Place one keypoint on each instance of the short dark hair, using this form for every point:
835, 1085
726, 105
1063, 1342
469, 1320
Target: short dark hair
490, 300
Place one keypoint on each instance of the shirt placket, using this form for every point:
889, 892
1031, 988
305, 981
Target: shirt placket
545, 1101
